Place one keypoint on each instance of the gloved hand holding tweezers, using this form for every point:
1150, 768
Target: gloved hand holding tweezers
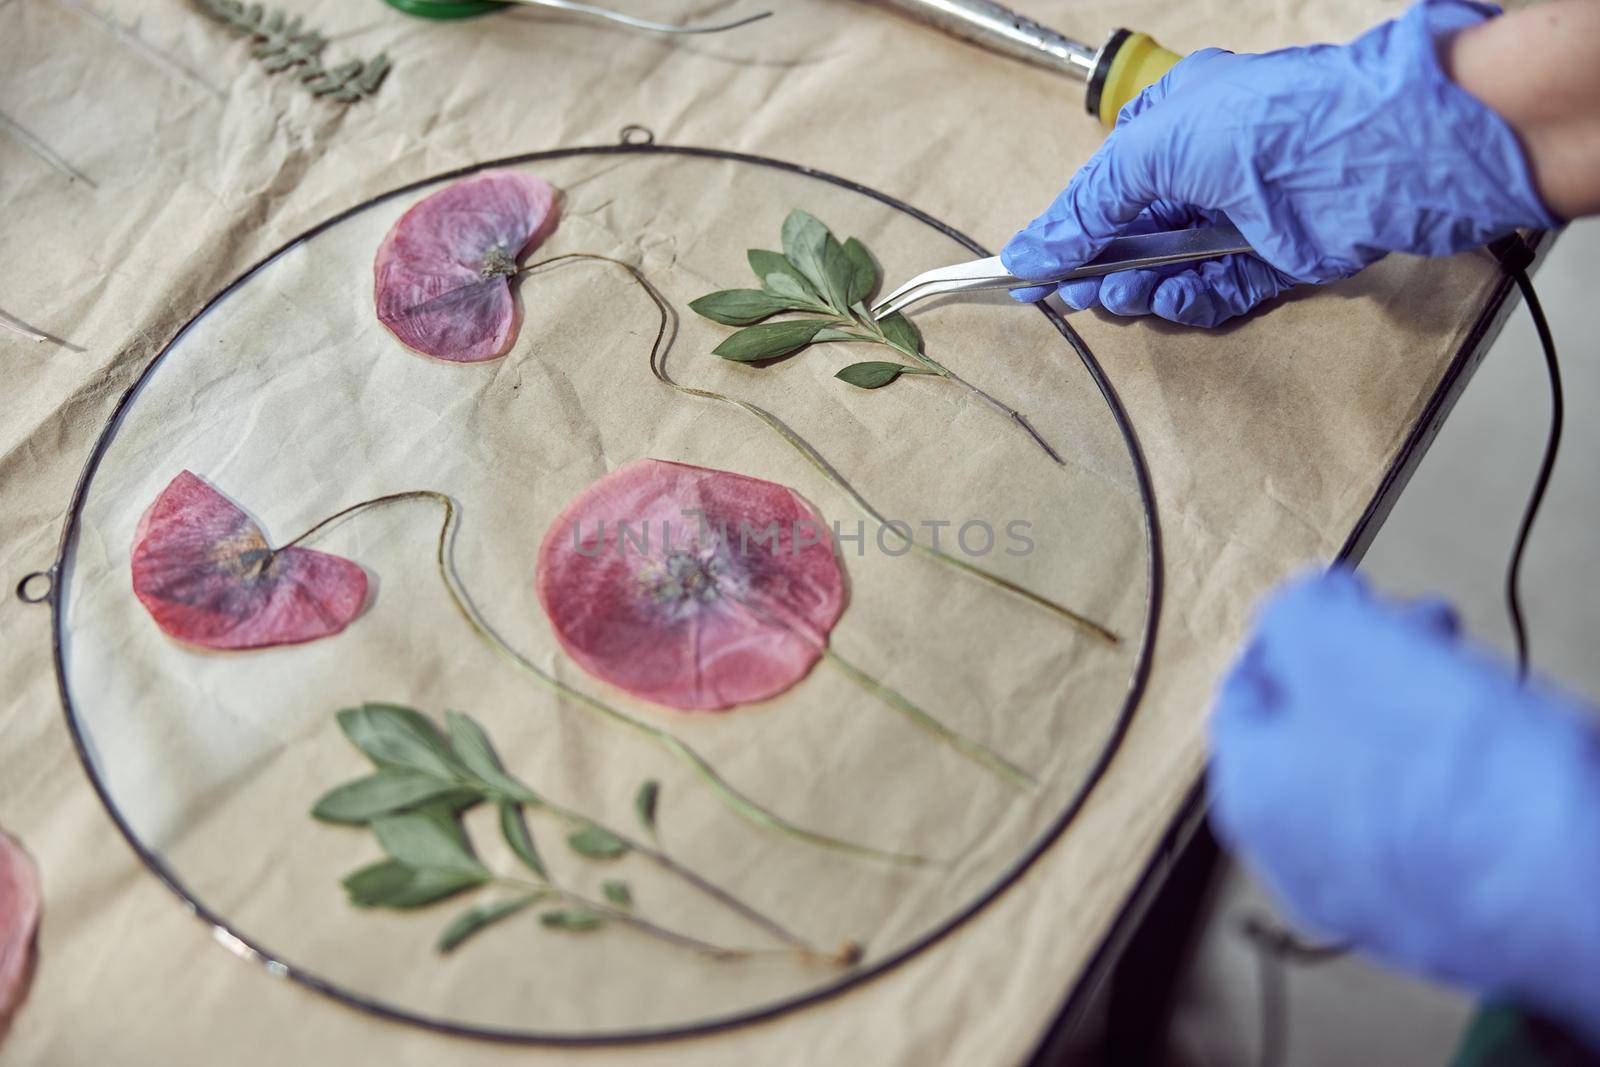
1326, 158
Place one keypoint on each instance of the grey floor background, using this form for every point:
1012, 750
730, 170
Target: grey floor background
1449, 535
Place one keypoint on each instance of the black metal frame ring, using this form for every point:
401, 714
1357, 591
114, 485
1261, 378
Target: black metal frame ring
243, 945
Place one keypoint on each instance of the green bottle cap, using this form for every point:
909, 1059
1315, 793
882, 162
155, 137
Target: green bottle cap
446, 9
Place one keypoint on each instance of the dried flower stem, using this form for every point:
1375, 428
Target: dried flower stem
668, 864
733, 798
670, 936
658, 367
865, 320
1009, 772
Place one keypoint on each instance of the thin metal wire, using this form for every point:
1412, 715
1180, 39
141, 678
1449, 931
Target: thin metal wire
138, 44
8, 323
44, 151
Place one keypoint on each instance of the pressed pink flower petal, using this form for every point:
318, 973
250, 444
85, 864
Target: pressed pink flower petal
206, 574
442, 274
691, 587
19, 919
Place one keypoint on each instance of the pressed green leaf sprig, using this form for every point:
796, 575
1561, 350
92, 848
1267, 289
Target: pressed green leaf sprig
821, 279
424, 778
284, 45
827, 283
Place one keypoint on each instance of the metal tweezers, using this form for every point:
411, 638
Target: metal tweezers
1123, 253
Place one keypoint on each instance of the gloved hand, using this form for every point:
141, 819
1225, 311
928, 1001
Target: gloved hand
1397, 787
1325, 158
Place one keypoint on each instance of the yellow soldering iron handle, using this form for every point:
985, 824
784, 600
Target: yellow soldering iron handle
1128, 62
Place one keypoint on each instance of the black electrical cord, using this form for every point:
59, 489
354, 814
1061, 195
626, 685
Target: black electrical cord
1515, 257
1276, 946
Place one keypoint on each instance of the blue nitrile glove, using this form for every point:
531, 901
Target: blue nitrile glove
1397, 787
1326, 158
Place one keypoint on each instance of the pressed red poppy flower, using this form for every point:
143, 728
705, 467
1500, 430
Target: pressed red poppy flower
442, 275
691, 587
19, 919
206, 574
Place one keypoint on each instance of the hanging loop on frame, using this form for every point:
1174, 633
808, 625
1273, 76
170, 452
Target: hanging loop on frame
28, 580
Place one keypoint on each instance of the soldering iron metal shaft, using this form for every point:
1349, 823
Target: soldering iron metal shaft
997, 27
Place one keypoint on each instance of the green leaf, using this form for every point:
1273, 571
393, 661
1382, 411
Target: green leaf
377, 794
842, 335
597, 843
805, 244
460, 800
741, 307
446, 809
517, 836
323, 82
373, 74
427, 840
839, 271
793, 287
471, 746
392, 884
395, 736
574, 919
874, 374
901, 334
376, 883
644, 803
617, 892
769, 340
864, 271
769, 264
472, 920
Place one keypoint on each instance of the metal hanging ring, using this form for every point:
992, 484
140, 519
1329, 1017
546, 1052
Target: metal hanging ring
28, 579
636, 135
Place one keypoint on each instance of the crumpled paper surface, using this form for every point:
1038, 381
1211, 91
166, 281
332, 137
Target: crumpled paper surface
1265, 439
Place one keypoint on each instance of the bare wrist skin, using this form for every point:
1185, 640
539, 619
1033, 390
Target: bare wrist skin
1539, 69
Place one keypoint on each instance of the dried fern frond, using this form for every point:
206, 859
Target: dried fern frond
284, 44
